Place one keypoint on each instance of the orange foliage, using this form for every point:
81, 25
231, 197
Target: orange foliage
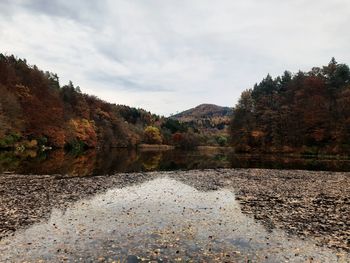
307, 111
257, 134
84, 131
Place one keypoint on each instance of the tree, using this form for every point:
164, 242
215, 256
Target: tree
152, 135
187, 140
307, 110
174, 125
34, 106
243, 120
221, 140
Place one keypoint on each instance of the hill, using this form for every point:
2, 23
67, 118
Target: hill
210, 121
203, 111
36, 111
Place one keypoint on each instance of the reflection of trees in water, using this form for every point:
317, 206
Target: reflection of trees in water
151, 160
109, 162
54, 162
83, 165
8, 162
274, 161
117, 160
130, 160
14, 161
59, 162
177, 159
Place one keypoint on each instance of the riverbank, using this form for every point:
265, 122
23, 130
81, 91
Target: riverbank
306, 205
155, 147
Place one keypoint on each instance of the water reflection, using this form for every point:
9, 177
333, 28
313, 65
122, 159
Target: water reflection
127, 160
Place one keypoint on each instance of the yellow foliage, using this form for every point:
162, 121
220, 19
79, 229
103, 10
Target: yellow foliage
152, 135
31, 144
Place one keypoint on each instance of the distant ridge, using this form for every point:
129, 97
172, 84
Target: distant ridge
203, 111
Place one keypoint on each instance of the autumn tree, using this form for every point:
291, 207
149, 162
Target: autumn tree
305, 112
33, 106
152, 135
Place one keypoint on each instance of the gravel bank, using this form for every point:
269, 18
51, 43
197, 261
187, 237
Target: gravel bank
305, 204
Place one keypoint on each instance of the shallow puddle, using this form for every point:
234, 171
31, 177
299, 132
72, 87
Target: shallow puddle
162, 220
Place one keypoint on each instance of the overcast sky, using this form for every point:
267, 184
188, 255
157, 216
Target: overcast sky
167, 56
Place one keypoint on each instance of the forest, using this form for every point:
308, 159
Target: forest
37, 112
306, 112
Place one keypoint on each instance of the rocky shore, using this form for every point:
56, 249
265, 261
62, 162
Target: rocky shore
308, 205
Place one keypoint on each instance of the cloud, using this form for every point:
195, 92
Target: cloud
125, 83
5, 7
167, 56
87, 12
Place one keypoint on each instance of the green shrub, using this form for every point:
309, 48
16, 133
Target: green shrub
221, 140
9, 140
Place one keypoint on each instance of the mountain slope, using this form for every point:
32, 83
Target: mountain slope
203, 111
35, 110
209, 120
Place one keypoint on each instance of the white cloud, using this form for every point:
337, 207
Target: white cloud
167, 56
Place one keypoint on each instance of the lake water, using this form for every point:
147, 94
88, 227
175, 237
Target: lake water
124, 160
57, 206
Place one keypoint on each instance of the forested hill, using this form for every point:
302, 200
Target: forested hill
203, 111
36, 110
209, 120
306, 112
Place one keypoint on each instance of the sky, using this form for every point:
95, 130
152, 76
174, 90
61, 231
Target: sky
170, 55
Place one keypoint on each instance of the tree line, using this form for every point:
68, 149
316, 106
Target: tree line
306, 112
36, 111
